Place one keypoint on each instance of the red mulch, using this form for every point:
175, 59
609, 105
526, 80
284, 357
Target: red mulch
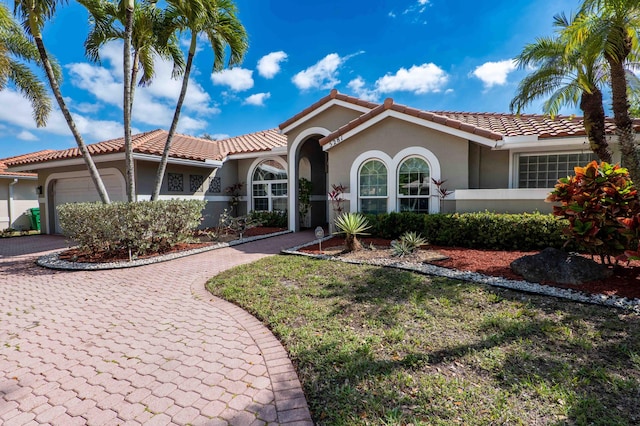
625, 281
76, 255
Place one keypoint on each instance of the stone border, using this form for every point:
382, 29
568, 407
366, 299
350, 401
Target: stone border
518, 285
52, 260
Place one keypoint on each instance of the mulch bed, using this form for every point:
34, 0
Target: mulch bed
625, 281
76, 255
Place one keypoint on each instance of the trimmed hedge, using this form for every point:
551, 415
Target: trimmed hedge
142, 227
495, 231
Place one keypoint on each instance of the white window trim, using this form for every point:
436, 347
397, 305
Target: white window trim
392, 175
514, 161
372, 197
252, 169
403, 197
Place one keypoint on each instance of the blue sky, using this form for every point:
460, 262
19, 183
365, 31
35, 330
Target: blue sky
453, 55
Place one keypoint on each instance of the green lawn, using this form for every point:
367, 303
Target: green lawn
384, 347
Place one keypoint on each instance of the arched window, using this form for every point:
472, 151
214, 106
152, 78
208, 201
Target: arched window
414, 181
269, 187
373, 187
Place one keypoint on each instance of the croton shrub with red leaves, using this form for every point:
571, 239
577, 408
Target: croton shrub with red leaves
601, 204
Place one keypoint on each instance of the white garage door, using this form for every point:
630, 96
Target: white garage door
82, 190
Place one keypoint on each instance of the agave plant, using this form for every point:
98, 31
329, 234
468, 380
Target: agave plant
409, 243
352, 225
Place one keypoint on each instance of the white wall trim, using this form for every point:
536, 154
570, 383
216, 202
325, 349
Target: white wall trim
322, 108
501, 194
77, 174
411, 119
276, 151
354, 178
292, 174
252, 168
35, 177
114, 157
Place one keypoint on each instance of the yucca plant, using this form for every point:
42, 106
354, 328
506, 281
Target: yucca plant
409, 242
352, 225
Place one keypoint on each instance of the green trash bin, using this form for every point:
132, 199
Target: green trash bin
34, 215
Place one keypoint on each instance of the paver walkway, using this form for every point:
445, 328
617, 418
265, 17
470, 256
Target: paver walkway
146, 345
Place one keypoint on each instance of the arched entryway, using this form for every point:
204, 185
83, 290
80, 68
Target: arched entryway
307, 160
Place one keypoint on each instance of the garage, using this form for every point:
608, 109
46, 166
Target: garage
80, 189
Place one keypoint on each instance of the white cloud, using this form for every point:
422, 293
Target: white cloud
269, 65
20, 115
257, 99
26, 136
494, 73
322, 75
87, 108
357, 86
219, 136
418, 79
391, 14
237, 79
153, 104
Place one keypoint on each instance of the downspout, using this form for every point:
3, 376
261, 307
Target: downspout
10, 201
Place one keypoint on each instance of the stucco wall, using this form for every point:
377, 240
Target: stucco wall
24, 198
487, 168
392, 136
331, 119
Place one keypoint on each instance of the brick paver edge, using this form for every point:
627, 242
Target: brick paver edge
277, 361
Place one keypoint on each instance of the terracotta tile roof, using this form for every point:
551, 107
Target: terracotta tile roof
494, 126
4, 161
182, 146
334, 94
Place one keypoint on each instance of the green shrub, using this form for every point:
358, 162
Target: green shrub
598, 203
274, 219
485, 230
142, 227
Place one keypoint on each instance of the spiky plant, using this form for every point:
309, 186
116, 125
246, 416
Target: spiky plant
352, 225
409, 242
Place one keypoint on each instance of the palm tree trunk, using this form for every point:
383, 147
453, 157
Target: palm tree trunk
174, 124
127, 102
594, 124
134, 76
620, 105
55, 87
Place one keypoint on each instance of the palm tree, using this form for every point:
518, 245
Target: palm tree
109, 23
15, 48
612, 27
34, 14
572, 77
218, 21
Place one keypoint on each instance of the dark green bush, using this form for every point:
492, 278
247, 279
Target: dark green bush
526, 231
142, 227
274, 219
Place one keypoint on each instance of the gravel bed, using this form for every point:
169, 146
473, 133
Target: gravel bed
52, 261
518, 285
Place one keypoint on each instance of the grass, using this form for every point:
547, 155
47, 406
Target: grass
377, 346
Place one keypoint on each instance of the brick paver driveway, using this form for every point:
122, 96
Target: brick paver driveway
145, 345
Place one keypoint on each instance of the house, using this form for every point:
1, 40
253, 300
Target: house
194, 170
18, 194
387, 155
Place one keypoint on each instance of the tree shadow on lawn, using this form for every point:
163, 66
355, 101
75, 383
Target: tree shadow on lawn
581, 361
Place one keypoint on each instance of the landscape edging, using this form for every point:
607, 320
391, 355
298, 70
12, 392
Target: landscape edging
518, 285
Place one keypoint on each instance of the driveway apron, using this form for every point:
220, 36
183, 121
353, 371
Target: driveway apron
146, 345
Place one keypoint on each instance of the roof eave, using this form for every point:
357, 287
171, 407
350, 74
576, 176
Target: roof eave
339, 137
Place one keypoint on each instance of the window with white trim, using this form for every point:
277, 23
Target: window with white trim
414, 182
543, 171
373, 187
269, 187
